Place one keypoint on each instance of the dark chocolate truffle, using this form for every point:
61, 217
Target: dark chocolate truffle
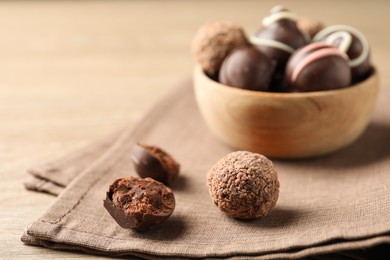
139, 203
318, 66
244, 185
353, 43
154, 162
279, 37
247, 68
213, 42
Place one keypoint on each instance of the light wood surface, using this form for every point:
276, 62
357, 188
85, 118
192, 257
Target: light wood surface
283, 125
71, 71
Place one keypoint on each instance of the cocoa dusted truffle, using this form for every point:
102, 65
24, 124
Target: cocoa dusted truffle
154, 162
353, 43
318, 66
139, 203
244, 185
213, 42
279, 37
309, 26
247, 68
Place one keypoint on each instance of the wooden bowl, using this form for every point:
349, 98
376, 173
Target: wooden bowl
286, 125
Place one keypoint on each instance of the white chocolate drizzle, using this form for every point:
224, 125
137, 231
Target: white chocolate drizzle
314, 56
272, 18
277, 8
335, 28
345, 37
271, 43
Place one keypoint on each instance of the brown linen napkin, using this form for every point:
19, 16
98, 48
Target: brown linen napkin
54, 176
335, 203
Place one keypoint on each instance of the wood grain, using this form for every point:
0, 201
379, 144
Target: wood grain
283, 125
71, 71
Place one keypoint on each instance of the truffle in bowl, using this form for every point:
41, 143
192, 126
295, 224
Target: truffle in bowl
286, 125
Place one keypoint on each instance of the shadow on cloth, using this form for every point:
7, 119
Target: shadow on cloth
180, 183
278, 217
373, 146
172, 229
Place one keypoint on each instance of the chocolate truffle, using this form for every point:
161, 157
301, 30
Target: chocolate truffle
279, 37
318, 66
154, 162
353, 43
213, 42
309, 26
139, 203
247, 68
244, 185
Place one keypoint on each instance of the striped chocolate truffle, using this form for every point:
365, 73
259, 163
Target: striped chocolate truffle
351, 41
318, 66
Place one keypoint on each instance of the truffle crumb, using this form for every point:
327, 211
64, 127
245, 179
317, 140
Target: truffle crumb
213, 42
244, 185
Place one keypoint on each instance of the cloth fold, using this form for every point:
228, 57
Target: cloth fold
54, 176
337, 205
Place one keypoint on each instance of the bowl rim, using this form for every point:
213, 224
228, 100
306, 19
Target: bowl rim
373, 77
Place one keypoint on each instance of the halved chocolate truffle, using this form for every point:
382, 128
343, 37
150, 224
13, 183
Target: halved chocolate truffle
139, 203
318, 66
154, 162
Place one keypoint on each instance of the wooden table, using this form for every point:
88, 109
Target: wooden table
73, 71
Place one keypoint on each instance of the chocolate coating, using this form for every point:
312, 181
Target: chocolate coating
317, 66
139, 203
279, 36
247, 68
283, 32
244, 185
354, 44
213, 42
154, 162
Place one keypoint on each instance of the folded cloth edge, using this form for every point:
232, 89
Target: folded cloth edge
295, 253
53, 176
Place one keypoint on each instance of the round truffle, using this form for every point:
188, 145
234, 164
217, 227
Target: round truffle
247, 68
309, 26
279, 37
318, 66
154, 162
213, 42
139, 203
353, 43
244, 185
